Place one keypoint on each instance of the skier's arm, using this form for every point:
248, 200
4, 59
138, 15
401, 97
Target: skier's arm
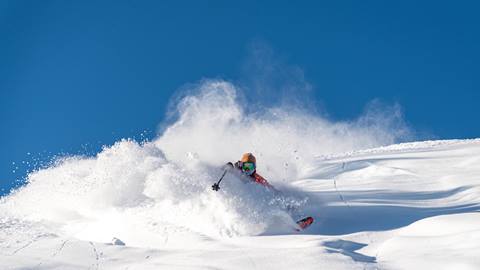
227, 167
262, 181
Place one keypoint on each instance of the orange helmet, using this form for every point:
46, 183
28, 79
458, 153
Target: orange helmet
248, 157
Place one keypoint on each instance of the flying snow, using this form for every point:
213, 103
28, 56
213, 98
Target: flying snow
163, 186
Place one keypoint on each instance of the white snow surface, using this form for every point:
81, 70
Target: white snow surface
408, 206
150, 205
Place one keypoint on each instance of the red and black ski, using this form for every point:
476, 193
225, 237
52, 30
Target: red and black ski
304, 223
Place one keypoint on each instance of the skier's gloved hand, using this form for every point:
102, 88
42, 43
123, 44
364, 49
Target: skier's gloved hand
229, 165
216, 187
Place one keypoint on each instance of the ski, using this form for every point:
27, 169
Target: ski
304, 223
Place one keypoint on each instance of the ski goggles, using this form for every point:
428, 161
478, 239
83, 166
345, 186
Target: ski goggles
248, 167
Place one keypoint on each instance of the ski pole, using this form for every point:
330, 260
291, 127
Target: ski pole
216, 186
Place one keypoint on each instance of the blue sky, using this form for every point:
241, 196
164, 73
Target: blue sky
75, 75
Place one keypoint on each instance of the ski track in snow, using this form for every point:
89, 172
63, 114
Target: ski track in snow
56, 252
351, 252
406, 206
97, 257
22, 247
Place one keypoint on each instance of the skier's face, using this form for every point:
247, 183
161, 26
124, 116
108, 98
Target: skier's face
248, 168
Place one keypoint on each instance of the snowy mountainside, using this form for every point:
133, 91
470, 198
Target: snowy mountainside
406, 206
380, 208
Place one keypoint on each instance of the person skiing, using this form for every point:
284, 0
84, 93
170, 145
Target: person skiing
247, 166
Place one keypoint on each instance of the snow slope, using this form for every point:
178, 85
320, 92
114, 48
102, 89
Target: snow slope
406, 206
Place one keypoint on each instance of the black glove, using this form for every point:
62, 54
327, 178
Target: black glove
216, 187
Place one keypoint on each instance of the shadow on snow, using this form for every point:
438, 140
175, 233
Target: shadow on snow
377, 210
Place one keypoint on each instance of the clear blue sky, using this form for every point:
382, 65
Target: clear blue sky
78, 74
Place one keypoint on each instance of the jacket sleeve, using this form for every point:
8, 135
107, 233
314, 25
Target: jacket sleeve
262, 181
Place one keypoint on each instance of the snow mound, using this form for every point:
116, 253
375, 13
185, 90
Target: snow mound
436, 239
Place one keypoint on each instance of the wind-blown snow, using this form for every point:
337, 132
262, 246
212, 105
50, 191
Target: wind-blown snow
373, 207
214, 125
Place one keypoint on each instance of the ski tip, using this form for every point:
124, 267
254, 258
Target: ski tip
304, 223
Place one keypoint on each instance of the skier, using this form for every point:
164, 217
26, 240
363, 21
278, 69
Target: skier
247, 165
